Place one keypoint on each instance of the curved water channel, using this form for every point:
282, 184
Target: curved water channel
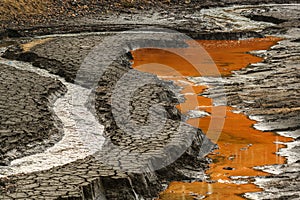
241, 146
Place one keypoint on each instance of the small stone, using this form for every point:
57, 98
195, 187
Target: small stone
228, 168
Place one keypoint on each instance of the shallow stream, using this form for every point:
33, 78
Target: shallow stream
241, 146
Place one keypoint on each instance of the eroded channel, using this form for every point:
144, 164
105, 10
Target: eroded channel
241, 147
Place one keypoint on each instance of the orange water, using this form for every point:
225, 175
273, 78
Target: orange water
240, 146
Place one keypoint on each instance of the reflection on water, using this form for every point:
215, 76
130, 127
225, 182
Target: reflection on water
241, 146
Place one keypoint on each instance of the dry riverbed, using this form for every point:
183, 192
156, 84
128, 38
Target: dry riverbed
267, 92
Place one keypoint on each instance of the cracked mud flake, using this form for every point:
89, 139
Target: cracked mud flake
240, 146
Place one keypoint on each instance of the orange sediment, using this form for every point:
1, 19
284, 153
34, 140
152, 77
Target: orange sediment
220, 191
241, 147
26, 47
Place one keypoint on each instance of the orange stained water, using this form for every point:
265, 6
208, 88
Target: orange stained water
240, 146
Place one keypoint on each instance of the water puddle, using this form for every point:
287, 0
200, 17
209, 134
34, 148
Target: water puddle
241, 147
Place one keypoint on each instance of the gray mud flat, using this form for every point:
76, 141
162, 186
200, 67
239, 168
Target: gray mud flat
91, 177
27, 122
31, 124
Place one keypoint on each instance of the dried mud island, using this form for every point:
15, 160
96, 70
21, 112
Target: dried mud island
255, 45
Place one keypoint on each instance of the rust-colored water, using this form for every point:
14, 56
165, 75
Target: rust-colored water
241, 146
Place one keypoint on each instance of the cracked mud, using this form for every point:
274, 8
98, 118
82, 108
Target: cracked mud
32, 123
